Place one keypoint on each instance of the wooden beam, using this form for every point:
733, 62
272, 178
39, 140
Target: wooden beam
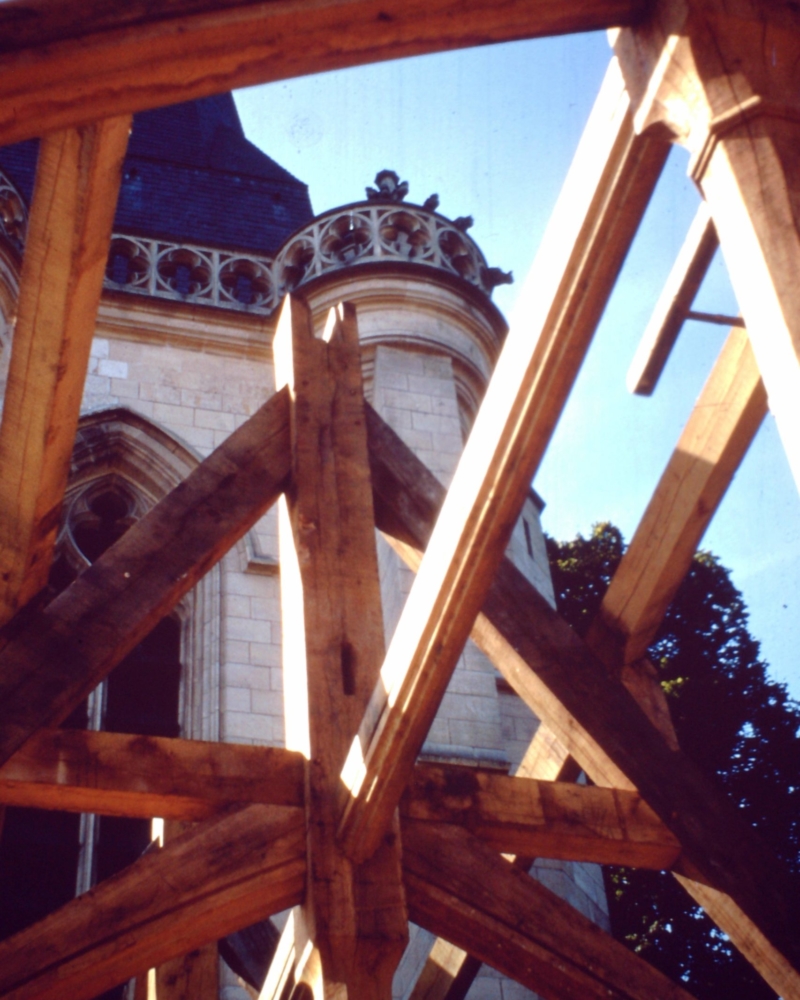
194, 976
449, 971
724, 421
674, 303
704, 75
333, 646
114, 774
543, 819
52, 658
224, 875
407, 501
460, 888
596, 217
724, 84
280, 975
69, 230
69, 64
596, 718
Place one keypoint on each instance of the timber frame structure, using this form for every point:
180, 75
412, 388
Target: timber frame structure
345, 825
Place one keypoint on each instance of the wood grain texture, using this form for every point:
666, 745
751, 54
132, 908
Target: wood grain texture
52, 658
721, 426
334, 644
602, 726
194, 976
598, 212
459, 887
224, 875
66, 248
543, 819
114, 774
724, 81
448, 972
66, 64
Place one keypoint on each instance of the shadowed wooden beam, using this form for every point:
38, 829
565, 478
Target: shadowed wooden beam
674, 303
333, 645
598, 212
449, 971
461, 888
724, 421
69, 230
226, 874
598, 721
194, 976
64, 64
543, 819
114, 774
52, 658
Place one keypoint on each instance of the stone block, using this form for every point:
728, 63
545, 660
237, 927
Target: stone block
248, 630
236, 699
214, 420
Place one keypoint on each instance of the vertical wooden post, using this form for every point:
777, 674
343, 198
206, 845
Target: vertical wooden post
75, 196
352, 930
194, 976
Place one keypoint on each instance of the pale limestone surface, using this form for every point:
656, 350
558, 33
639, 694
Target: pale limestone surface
428, 350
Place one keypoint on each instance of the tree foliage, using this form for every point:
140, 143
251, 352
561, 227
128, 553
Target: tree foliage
734, 722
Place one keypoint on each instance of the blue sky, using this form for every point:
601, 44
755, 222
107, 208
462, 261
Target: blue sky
493, 131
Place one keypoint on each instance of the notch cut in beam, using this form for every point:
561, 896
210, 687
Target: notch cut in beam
209, 882
74, 199
114, 774
674, 304
52, 658
74, 63
543, 819
461, 889
600, 207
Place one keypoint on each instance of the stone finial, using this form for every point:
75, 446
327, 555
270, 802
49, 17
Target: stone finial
494, 276
389, 187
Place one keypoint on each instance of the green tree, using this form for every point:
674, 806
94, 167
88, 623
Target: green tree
734, 722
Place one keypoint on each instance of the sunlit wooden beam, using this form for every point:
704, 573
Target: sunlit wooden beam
52, 658
598, 212
69, 231
674, 304
721, 426
597, 720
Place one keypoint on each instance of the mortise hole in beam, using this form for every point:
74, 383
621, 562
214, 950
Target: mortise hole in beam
348, 668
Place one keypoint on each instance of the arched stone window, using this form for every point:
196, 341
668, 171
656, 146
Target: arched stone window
122, 465
167, 686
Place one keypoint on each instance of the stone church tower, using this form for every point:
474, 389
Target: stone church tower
210, 234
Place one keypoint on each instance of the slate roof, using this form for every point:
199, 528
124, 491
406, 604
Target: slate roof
191, 176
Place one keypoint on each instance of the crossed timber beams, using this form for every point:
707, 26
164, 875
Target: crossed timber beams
678, 64
391, 464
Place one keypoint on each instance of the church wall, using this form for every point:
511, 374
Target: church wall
199, 374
